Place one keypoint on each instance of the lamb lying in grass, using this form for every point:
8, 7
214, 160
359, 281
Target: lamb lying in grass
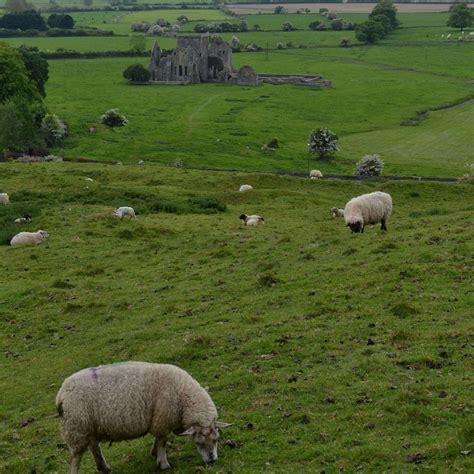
336, 212
22, 220
251, 220
244, 188
4, 199
29, 238
121, 212
130, 399
367, 209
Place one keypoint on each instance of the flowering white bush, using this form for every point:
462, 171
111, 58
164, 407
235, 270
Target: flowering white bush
322, 141
53, 129
369, 165
141, 27
469, 176
235, 43
113, 118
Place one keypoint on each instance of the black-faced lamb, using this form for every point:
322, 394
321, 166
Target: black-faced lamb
29, 238
23, 220
336, 212
130, 399
251, 220
368, 209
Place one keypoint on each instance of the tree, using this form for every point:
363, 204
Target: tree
370, 31
461, 16
36, 66
137, 43
287, 26
137, 73
386, 8
280, 10
18, 6
322, 141
58, 20
314, 25
28, 20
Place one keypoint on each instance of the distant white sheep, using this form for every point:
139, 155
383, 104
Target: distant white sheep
244, 188
30, 238
130, 399
368, 209
121, 212
251, 220
315, 174
336, 212
22, 220
4, 199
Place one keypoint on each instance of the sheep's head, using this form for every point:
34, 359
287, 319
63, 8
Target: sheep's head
44, 234
243, 218
356, 226
115, 215
205, 439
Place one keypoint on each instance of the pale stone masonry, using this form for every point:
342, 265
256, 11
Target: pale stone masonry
207, 58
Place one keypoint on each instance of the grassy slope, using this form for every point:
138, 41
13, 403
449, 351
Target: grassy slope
196, 290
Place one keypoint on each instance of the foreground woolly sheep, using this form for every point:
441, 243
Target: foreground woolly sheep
368, 209
4, 199
244, 188
22, 220
336, 212
121, 212
30, 238
251, 220
315, 174
130, 399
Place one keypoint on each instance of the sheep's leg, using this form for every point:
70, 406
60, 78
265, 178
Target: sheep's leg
99, 458
383, 226
159, 449
75, 462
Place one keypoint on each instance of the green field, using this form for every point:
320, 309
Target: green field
328, 351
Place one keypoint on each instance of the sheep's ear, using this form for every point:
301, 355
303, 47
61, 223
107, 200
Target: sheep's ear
188, 432
220, 425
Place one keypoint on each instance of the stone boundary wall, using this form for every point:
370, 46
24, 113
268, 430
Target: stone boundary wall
297, 79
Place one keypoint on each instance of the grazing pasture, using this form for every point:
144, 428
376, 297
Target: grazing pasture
327, 350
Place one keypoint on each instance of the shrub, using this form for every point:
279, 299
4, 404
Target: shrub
314, 25
162, 22
370, 31
235, 43
287, 26
252, 47
348, 26
337, 25
322, 141
387, 9
323, 11
331, 16
256, 27
200, 28
280, 10
469, 176
321, 27
61, 21
280, 46
137, 73
243, 26
273, 143
26, 20
369, 165
141, 27
157, 30
53, 129
113, 118
289, 44
182, 19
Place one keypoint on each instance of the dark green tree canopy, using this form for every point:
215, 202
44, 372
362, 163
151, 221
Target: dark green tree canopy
386, 8
137, 73
370, 31
59, 20
36, 66
28, 20
461, 16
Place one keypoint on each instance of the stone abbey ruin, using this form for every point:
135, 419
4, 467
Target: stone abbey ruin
203, 58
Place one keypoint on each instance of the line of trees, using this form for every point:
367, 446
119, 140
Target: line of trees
32, 20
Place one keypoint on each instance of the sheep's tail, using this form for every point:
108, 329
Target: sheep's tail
60, 410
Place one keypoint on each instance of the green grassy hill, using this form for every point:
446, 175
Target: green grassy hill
326, 350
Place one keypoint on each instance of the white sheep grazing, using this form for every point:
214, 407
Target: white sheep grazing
368, 209
4, 199
244, 188
121, 212
22, 220
315, 174
336, 212
30, 238
251, 220
130, 399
